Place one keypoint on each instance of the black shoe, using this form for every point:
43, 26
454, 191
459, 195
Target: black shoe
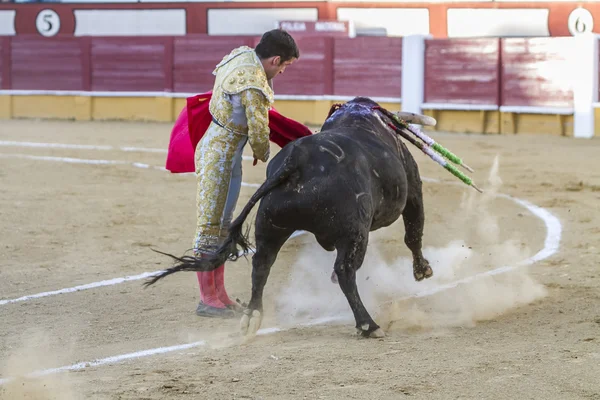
238, 308
204, 310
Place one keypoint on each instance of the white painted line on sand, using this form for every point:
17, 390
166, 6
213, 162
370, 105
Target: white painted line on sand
551, 246
109, 360
151, 352
94, 285
552, 240
72, 160
108, 282
15, 143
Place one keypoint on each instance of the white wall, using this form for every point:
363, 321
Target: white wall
471, 22
7, 22
396, 21
254, 21
130, 22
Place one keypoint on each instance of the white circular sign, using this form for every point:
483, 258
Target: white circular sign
47, 22
580, 21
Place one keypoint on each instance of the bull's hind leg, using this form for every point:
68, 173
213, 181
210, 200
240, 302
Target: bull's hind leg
414, 221
268, 243
350, 256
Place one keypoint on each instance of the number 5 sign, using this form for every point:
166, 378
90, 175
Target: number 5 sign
47, 22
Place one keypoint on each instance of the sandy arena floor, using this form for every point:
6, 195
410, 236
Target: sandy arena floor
532, 332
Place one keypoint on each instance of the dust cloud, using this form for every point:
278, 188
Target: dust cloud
33, 355
392, 296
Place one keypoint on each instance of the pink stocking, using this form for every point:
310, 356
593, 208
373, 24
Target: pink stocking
220, 286
208, 292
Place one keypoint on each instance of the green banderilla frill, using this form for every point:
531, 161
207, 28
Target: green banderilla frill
449, 167
432, 143
449, 155
426, 139
403, 129
460, 175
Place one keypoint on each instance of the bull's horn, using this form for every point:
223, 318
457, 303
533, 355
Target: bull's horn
416, 118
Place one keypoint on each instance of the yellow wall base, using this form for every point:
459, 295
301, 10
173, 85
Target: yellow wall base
314, 112
502, 122
6, 107
85, 108
546, 124
309, 112
156, 109
465, 121
597, 123
178, 105
56, 107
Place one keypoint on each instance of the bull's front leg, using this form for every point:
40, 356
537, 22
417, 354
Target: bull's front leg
414, 221
252, 318
268, 244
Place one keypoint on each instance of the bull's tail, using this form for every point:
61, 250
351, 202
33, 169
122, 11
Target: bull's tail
229, 249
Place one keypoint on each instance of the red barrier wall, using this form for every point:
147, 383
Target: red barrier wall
139, 64
369, 66
462, 71
46, 64
4, 63
536, 72
312, 73
195, 57
511, 72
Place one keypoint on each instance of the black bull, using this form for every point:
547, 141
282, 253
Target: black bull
353, 177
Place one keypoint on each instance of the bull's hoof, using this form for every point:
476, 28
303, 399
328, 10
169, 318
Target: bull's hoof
368, 331
422, 271
250, 323
377, 334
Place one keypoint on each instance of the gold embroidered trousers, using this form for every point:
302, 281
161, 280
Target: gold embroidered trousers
218, 160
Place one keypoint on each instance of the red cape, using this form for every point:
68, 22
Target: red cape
193, 121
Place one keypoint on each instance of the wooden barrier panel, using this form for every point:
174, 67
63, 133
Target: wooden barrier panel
129, 64
4, 63
537, 72
462, 71
368, 66
195, 58
46, 64
312, 74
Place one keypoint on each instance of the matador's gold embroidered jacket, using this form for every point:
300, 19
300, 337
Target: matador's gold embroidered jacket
241, 73
239, 106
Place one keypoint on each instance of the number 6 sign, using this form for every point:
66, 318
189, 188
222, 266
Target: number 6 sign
47, 22
580, 21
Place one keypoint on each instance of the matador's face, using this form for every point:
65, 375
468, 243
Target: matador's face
274, 66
